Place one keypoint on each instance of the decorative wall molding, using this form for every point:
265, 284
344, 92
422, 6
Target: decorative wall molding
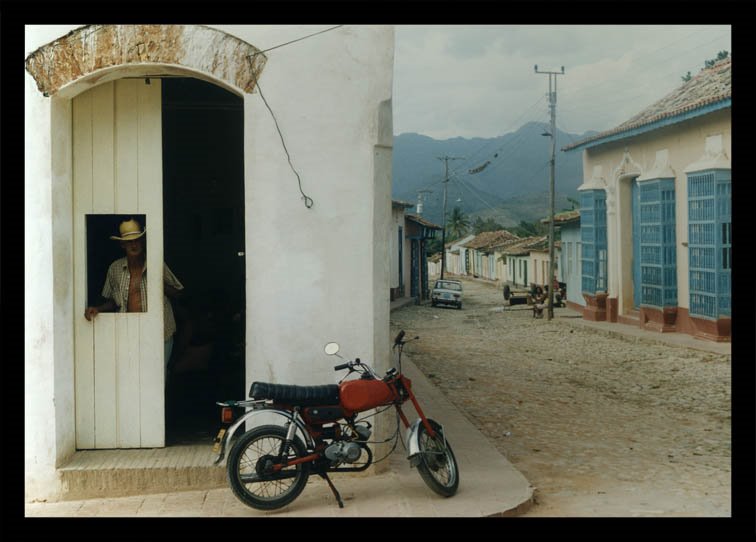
661, 169
714, 156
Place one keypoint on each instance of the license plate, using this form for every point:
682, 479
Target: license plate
447, 296
219, 439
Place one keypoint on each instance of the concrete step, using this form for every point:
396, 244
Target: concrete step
119, 473
631, 317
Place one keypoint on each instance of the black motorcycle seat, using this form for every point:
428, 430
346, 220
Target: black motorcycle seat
327, 394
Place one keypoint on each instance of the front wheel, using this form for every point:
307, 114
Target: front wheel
252, 476
437, 466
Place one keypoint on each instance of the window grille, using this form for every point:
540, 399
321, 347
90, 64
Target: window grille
593, 239
657, 243
710, 243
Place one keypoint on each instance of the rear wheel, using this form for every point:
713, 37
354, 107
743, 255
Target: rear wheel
251, 474
437, 466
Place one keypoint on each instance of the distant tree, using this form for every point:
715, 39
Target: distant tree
529, 229
721, 55
489, 224
575, 204
433, 246
457, 224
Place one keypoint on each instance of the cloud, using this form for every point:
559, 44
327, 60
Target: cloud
479, 81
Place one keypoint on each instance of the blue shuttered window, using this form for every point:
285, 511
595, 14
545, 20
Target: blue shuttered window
657, 243
593, 238
710, 243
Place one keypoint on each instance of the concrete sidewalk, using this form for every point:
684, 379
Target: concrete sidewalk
634, 332
489, 484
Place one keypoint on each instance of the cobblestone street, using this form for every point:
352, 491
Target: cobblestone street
601, 425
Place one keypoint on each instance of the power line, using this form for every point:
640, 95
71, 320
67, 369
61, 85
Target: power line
518, 121
296, 40
514, 145
552, 175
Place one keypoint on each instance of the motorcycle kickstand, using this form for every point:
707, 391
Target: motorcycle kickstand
324, 476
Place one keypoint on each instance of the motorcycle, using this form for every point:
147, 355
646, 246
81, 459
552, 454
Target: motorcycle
268, 466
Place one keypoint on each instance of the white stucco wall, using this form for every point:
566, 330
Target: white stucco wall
613, 165
321, 274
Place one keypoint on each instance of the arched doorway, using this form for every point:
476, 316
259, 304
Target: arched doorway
203, 217
104, 60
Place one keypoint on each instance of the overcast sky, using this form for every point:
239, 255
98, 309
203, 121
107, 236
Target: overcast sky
479, 81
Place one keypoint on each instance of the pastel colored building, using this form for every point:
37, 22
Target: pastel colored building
655, 213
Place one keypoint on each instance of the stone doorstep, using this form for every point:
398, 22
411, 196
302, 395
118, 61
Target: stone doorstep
95, 474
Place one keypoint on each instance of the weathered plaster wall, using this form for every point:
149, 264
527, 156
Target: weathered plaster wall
87, 50
320, 274
685, 143
39, 319
326, 94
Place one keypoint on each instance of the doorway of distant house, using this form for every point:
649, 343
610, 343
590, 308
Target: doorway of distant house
203, 221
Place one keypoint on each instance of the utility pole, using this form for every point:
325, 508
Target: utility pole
443, 230
420, 194
552, 106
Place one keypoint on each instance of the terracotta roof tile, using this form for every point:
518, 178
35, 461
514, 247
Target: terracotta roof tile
561, 218
488, 239
526, 245
709, 86
422, 221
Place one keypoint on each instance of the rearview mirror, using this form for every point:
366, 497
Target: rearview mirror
331, 348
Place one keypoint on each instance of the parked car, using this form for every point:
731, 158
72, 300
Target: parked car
447, 292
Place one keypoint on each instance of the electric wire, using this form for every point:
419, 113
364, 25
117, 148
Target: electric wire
297, 40
515, 145
307, 199
619, 98
493, 155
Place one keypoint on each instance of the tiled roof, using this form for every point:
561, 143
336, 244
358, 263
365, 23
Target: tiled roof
561, 218
423, 222
526, 245
708, 87
488, 239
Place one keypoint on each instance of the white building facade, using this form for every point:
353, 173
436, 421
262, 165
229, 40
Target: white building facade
93, 148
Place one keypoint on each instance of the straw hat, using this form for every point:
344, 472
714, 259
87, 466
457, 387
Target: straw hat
130, 230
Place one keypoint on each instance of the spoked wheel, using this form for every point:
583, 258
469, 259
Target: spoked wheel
437, 466
251, 470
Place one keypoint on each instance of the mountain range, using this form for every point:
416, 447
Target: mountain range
505, 177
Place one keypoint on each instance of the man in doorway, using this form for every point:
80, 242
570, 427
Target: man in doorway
125, 288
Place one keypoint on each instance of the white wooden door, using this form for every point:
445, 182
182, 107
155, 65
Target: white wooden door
117, 169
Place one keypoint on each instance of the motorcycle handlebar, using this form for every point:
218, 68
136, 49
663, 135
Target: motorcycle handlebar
343, 366
399, 337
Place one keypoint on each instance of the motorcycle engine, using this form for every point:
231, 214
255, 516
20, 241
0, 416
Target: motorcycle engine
347, 452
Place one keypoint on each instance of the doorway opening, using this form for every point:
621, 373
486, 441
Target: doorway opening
203, 223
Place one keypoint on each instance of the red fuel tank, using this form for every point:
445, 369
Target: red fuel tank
359, 395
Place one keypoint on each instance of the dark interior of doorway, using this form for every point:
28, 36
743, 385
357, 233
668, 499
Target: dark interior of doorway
203, 222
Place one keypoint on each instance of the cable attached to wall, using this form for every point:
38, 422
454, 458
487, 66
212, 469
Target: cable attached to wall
307, 199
